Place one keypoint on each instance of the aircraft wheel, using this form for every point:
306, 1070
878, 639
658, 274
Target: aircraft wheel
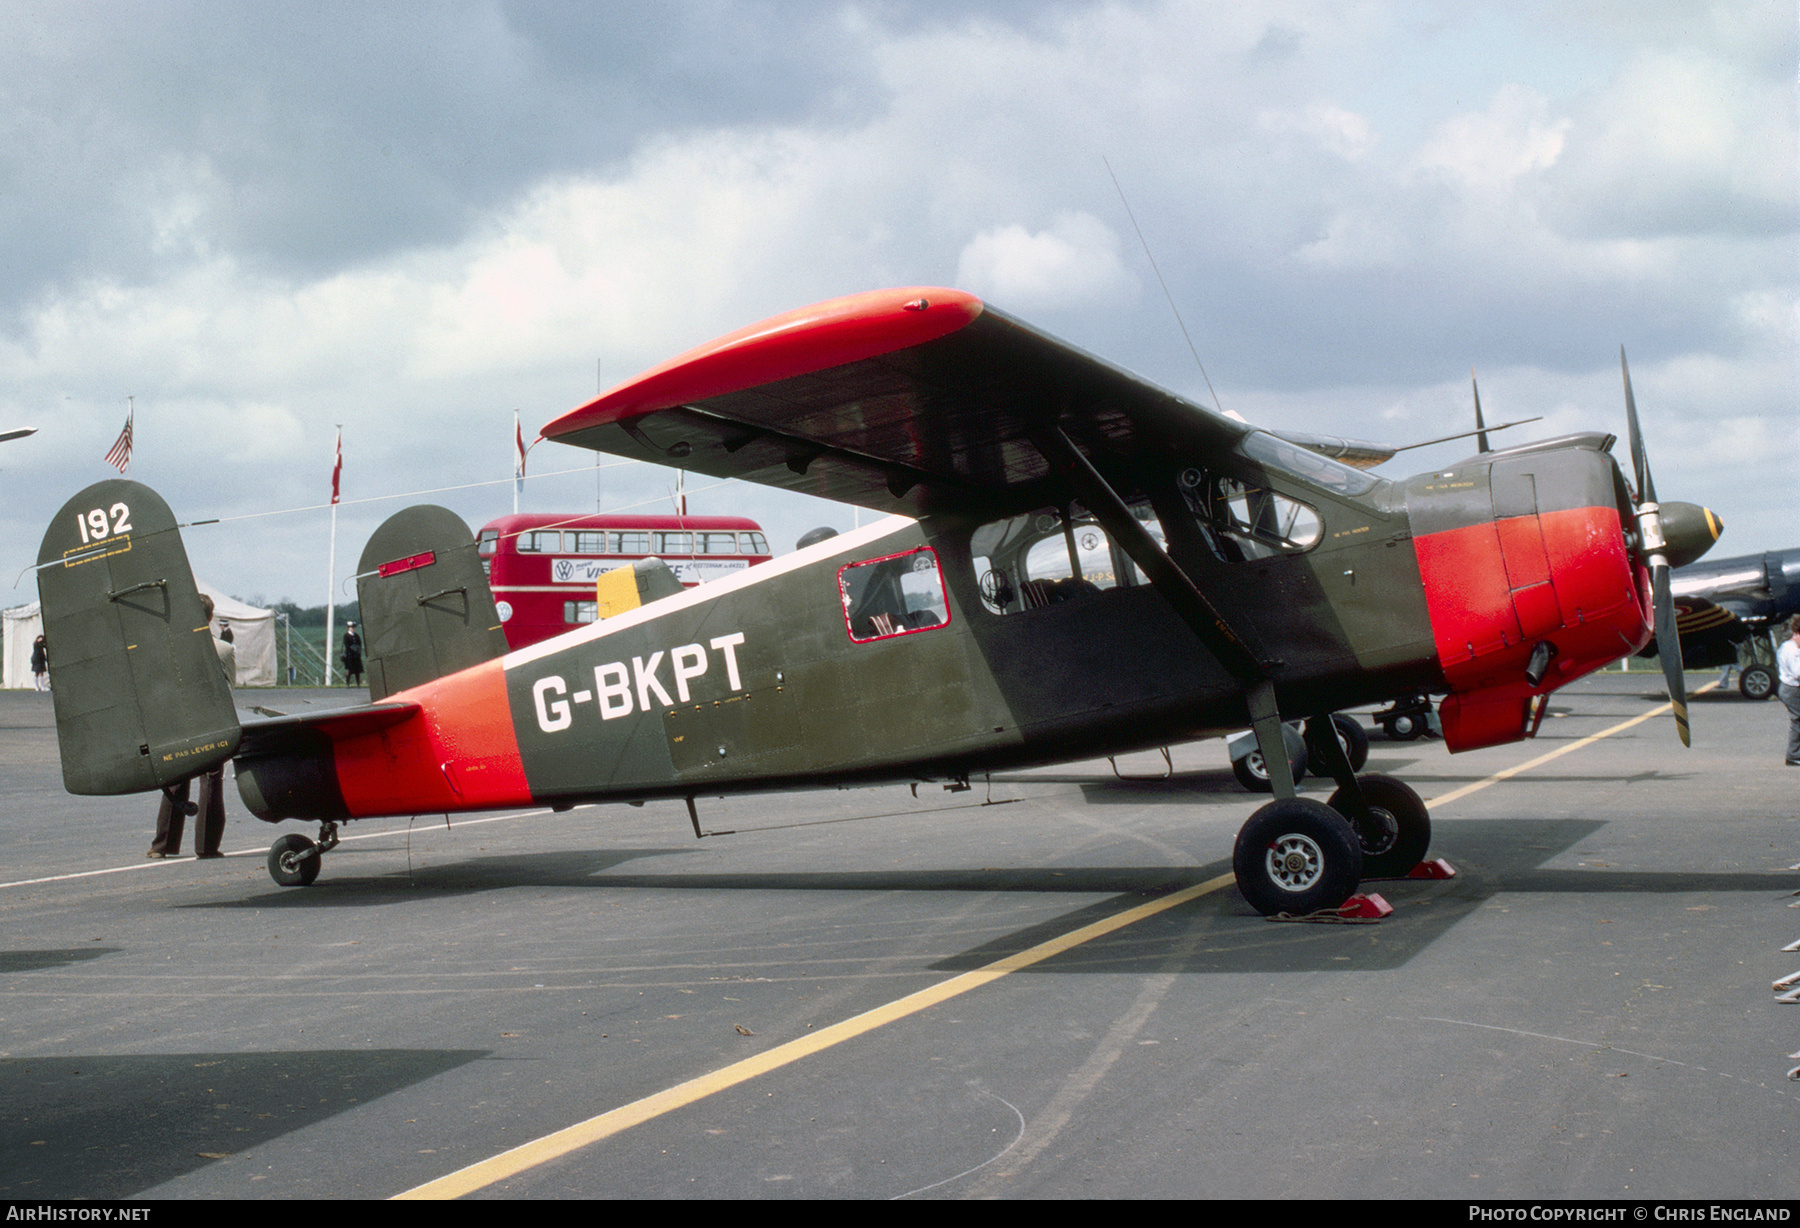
1398, 831
289, 864
1253, 773
1404, 727
1296, 856
1351, 736
1756, 682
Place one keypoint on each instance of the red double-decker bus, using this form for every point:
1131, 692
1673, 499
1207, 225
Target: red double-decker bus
542, 566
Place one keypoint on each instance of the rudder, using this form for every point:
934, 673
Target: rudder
140, 699
427, 610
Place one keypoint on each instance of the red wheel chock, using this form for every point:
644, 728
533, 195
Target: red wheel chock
1437, 867
1370, 907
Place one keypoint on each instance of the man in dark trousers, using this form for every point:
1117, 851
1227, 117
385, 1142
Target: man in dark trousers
209, 814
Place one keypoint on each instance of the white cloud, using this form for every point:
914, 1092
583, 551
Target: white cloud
1074, 262
1489, 150
1342, 133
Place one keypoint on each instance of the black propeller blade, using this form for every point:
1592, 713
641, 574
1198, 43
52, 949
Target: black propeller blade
1654, 548
1481, 440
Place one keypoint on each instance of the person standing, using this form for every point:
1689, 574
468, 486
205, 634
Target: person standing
40, 663
209, 812
1787, 665
353, 665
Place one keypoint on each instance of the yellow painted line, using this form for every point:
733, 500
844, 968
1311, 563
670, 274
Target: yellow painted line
594, 1129
1497, 777
551, 1146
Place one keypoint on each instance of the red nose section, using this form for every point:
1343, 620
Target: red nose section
1496, 590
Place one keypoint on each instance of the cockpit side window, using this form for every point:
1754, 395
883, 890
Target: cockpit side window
1243, 521
899, 594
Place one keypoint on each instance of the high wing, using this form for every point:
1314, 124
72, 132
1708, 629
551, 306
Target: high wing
917, 400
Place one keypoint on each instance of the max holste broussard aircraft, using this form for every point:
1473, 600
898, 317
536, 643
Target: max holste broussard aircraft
1083, 564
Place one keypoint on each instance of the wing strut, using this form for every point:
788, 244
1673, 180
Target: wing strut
1228, 645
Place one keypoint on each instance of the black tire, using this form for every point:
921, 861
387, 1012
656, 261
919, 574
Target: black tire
1356, 739
1255, 777
1399, 831
1296, 856
287, 864
1404, 726
1756, 682
1351, 736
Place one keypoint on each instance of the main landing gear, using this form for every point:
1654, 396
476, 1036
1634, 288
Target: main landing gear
294, 860
1756, 682
1298, 856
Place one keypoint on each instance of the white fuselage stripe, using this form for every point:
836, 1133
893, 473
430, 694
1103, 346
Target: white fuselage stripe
762, 573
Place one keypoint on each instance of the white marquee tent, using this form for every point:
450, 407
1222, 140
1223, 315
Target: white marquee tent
252, 635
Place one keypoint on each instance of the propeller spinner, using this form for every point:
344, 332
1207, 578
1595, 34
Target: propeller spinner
1669, 536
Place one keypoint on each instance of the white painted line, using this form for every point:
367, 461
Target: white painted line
159, 863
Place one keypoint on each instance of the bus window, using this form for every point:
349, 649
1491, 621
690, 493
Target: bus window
490, 539
718, 543
674, 543
590, 543
631, 541
575, 612
756, 543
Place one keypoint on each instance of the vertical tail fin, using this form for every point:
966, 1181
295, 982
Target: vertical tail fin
426, 607
141, 700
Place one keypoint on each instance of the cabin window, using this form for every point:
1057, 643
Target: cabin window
900, 594
1242, 521
576, 612
1026, 562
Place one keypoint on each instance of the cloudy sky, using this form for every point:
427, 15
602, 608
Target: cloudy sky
263, 221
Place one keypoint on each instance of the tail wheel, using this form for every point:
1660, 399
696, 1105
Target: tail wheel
1756, 682
1296, 856
1253, 773
293, 861
1396, 832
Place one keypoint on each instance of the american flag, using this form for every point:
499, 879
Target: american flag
337, 466
120, 455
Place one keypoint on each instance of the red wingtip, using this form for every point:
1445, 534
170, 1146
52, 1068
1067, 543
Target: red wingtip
828, 334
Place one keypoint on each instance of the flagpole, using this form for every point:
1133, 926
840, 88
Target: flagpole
337, 469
